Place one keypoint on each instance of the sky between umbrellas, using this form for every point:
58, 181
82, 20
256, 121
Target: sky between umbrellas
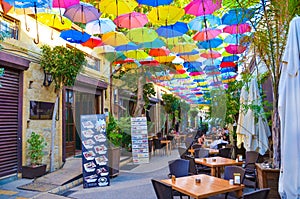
201, 41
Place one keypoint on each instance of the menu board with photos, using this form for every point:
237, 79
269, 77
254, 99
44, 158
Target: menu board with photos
94, 151
139, 137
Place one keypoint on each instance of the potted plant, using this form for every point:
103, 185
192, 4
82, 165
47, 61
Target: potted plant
36, 145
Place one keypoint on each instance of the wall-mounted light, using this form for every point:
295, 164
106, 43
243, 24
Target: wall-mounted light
47, 78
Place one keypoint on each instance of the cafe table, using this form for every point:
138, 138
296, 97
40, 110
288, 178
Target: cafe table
168, 146
211, 151
209, 186
216, 163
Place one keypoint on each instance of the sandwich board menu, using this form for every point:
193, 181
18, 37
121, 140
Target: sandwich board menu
139, 138
94, 151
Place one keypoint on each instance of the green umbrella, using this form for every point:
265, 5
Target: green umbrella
143, 34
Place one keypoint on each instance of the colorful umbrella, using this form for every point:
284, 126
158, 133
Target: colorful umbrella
175, 30
117, 7
5, 6
228, 75
159, 52
64, 3
234, 38
181, 48
105, 49
203, 22
82, 13
92, 42
237, 28
243, 4
190, 57
126, 47
100, 26
143, 34
164, 59
210, 54
211, 62
226, 70
206, 34
165, 15
212, 43
74, 36
113, 56
136, 54
131, 20
237, 16
114, 38
193, 52
149, 62
202, 7
54, 20
231, 58
127, 60
228, 64
155, 3
235, 49
157, 43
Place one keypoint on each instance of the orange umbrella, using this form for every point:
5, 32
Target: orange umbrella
159, 52
93, 42
114, 38
5, 6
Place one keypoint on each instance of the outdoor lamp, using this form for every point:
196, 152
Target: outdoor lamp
47, 78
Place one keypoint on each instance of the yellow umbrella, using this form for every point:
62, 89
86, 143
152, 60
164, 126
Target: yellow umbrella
114, 38
165, 15
190, 58
183, 48
54, 21
136, 54
164, 59
128, 66
117, 7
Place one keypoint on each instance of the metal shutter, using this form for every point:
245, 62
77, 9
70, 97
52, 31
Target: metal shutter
9, 94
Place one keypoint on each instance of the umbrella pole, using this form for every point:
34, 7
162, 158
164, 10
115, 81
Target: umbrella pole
36, 40
26, 25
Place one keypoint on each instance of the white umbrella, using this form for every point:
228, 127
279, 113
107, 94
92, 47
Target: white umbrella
243, 100
289, 113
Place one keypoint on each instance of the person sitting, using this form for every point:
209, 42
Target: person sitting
214, 144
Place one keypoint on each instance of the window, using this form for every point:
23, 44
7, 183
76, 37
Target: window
9, 27
41, 110
92, 63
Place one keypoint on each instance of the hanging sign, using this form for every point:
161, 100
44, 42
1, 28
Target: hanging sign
94, 151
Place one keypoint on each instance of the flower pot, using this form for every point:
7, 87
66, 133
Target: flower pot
33, 171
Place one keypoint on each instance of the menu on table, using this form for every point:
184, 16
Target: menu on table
139, 138
94, 151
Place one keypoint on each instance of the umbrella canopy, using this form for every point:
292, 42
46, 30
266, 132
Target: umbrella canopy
159, 52
203, 22
5, 6
165, 15
237, 16
100, 26
105, 49
212, 43
74, 36
117, 7
157, 43
175, 30
125, 47
131, 20
136, 54
180, 48
231, 58
206, 34
64, 3
155, 3
164, 59
92, 42
202, 7
143, 34
82, 13
235, 49
114, 38
210, 54
237, 28
54, 20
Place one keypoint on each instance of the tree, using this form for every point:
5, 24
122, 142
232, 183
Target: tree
193, 114
171, 105
63, 64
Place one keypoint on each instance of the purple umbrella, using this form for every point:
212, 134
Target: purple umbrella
82, 13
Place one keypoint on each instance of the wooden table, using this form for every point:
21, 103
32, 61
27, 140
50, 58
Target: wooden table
168, 146
209, 186
211, 151
179, 138
217, 164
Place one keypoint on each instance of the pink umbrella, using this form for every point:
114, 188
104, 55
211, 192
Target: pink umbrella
237, 28
235, 49
202, 7
131, 20
210, 54
206, 34
64, 3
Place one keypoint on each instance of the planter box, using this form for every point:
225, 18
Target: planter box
114, 161
268, 178
33, 172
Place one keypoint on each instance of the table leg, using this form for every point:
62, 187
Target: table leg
213, 171
239, 193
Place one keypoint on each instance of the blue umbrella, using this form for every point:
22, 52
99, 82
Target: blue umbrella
212, 62
129, 46
193, 52
211, 68
74, 36
154, 3
230, 58
175, 30
212, 43
205, 21
233, 39
157, 43
194, 64
226, 70
237, 16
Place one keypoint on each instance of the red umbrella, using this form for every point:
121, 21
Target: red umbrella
5, 6
227, 64
210, 54
159, 52
237, 28
206, 34
131, 20
149, 62
127, 60
235, 49
93, 42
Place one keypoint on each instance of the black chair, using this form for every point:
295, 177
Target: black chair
157, 146
162, 190
221, 145
201, 153
225, 152
228, 174
193, 170
178, 168
182, 152
196, 146
261, 194
250, 169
